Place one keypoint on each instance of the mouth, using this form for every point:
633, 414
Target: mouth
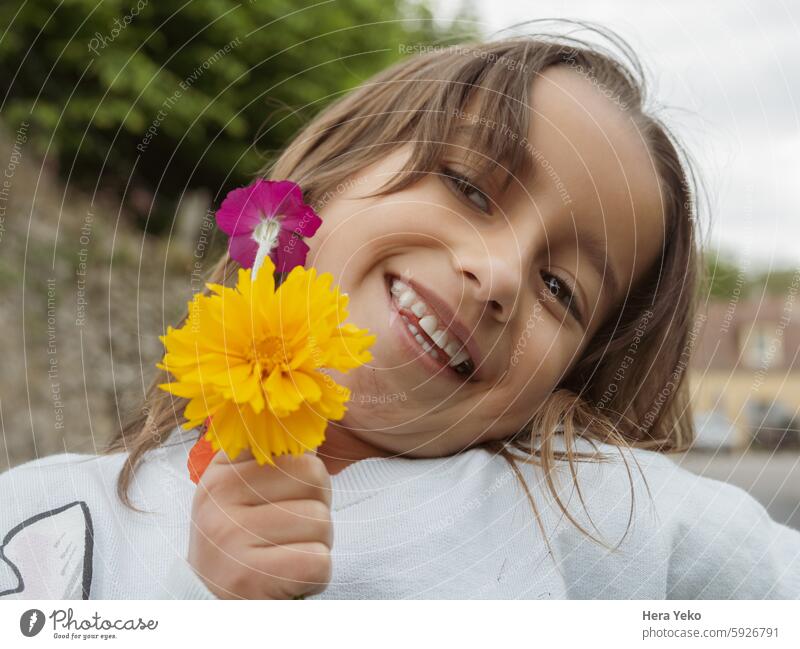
431, 331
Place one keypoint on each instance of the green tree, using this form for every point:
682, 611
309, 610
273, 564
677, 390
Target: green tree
150, 98
726, 279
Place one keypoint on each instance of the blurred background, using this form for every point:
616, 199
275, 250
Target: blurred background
124, 122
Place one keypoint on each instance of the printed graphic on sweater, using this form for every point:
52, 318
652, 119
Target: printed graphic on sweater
49, 555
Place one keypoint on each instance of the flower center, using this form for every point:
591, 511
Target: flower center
269, 353
266, 233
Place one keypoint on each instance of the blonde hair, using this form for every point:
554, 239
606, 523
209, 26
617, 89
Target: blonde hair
414, 102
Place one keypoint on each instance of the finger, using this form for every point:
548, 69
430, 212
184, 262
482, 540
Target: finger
305, 567
249, 483
246, 455
290, 521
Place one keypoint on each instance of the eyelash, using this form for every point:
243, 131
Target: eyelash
464, 186
570, 294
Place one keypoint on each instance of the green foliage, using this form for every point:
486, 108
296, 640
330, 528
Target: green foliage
151, 98
725, 279
778, 281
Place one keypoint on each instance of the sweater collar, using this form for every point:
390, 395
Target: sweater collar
356, 482
366, 478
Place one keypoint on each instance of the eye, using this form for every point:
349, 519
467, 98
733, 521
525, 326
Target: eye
464, 186
563, 292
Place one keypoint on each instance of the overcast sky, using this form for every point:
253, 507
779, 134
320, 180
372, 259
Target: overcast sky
731, 70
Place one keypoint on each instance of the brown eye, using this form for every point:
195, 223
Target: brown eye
562, 291
464, 186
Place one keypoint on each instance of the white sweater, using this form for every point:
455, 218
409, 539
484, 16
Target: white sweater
458, 527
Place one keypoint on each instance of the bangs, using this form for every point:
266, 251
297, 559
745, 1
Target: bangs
474, 100
481, 111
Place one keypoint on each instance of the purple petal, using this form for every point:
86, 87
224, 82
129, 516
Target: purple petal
302, 220
309, 223
290, 252
244, 208
239, 212
272, 195
292, 208
243, 249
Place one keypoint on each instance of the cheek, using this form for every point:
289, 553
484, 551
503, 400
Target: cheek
422, 212
541, 354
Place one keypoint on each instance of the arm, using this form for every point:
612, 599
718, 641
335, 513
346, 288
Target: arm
46, 537
726, 546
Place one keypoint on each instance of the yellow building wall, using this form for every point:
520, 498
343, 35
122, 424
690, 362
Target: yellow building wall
728, 392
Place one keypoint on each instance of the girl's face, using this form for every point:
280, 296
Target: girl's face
521, 279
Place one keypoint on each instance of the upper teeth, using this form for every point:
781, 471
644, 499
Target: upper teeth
429, 323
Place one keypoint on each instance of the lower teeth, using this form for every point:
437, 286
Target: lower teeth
465, 367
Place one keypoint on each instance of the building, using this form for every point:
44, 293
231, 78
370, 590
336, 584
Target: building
745, 372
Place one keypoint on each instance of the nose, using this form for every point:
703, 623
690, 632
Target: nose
492, 272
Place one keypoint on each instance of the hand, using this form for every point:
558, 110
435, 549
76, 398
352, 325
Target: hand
261, 531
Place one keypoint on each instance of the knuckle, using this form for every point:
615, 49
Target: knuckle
320, 474
314, 511
314, 571
319, 519
314, 471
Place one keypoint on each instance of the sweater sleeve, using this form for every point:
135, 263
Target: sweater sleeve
59, 534
46, 534
726, 546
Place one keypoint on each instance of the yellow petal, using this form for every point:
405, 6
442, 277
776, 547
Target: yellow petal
306, 386
213, 357
282, 394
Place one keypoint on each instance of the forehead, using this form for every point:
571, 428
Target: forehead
590, 154
590, 178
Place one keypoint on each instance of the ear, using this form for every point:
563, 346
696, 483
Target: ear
49, 555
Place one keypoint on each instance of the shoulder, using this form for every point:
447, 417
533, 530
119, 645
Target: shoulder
670, 488
600, 469
721, 543
56, 479
59, 515
703, 538
47, 509
53, 480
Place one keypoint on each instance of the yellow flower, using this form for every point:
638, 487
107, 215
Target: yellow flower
251, 359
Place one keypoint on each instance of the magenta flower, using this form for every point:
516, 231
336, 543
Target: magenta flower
267, 218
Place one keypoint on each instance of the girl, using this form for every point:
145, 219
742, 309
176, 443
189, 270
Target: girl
518, 232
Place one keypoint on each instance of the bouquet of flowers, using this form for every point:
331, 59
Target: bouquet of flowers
251, 359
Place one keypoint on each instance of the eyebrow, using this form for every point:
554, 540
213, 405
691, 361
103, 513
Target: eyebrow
595, 249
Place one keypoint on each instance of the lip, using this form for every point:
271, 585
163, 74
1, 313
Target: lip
437, 367
445, 315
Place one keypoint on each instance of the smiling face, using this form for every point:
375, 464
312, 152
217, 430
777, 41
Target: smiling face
507, 285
